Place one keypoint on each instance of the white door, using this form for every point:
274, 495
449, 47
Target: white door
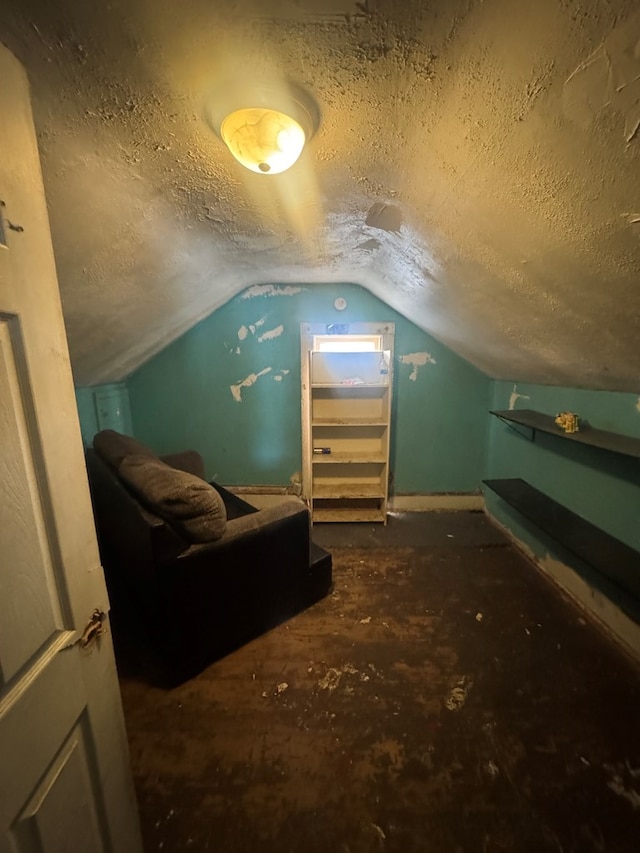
64, 777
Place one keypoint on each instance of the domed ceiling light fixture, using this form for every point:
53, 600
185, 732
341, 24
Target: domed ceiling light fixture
268, 136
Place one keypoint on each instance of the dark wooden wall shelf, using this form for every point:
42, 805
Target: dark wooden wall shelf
610, 557
537, 421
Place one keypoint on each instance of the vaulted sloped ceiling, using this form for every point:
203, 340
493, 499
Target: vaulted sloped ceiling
477, 167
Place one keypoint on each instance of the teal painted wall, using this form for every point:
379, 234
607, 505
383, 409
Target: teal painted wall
184, 396
103, 407
602, 487
87, 414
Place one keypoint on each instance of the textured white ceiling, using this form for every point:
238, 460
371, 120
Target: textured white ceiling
477, 166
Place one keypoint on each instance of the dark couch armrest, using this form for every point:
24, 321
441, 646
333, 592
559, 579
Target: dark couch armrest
134, 537
189, 461
257, 521
221, 594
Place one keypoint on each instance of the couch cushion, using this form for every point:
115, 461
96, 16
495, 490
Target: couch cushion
189, 504
112, 447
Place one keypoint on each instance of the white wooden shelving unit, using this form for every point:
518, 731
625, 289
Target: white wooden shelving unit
347, 414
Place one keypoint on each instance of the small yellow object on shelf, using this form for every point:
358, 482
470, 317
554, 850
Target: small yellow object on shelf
568, 421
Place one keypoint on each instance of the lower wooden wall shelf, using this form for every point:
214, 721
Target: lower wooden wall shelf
612, 560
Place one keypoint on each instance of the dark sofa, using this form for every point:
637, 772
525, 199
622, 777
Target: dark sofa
198, 570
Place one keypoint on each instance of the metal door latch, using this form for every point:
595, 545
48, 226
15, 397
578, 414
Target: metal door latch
94, 628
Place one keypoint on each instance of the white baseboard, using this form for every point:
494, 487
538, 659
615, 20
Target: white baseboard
431, 503
261, 496
263, 499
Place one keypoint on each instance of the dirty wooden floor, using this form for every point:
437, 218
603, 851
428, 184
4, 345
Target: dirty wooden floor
443, 699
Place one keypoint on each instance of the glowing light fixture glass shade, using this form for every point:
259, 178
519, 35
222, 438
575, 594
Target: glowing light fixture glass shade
264, 140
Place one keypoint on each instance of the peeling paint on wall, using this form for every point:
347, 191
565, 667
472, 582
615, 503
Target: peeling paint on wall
243, 331
272, 290
416, 359
514, 397
296, 482
257, 325
271, 334
251, 379
204, 354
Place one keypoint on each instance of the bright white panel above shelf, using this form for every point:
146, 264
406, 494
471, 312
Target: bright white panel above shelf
350, 369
